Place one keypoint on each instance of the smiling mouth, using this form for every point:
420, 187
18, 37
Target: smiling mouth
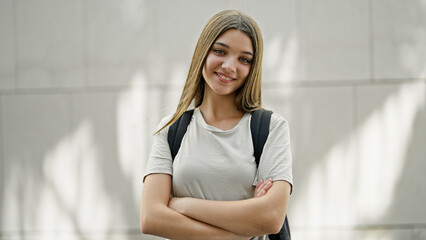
224, 77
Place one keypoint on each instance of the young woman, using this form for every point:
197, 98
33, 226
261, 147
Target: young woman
213, 177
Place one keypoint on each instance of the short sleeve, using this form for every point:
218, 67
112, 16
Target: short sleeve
160, 158
276, 159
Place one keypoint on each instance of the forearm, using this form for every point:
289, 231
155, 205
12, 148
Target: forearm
156, 218
235, 216
251, 217
165, 222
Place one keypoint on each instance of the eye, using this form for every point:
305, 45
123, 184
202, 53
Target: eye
218, 51
245, 60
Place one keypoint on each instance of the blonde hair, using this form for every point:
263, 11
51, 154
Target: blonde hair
249, 95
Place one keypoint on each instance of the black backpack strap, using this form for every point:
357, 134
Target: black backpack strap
177, 130
259, 127
284, 233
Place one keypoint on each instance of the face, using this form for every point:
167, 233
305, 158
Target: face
228, 63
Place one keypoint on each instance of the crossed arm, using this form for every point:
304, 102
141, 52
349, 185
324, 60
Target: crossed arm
190, 218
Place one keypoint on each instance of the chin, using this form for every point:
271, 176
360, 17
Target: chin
223, 92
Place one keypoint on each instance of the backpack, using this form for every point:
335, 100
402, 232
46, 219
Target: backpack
259, 127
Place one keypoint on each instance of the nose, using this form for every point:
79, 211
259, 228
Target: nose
229, 64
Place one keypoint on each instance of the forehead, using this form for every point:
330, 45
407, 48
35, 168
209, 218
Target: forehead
235, 38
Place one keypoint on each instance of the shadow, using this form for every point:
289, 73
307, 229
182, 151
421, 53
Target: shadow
408, 189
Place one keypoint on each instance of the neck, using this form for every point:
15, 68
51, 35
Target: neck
219, 107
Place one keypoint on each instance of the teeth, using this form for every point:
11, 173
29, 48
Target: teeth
224, 77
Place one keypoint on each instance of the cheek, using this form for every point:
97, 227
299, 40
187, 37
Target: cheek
212, 61
245, 71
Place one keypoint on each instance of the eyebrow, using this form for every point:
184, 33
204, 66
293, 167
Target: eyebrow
224, 45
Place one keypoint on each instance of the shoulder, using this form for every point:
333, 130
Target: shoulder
167, 118
278, 123
163, 122
277, 119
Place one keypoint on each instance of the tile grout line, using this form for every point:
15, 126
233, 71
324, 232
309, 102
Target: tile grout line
355, 92
85, 47
300, 69
293, 84
85, 29
371, 39
367, 227
2, 171
69, 232
15, 47
355, 117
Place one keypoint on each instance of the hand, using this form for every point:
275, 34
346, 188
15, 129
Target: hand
262, 188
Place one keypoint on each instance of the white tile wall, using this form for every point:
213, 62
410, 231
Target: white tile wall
335, 39
399, 39
106, 186
314, 234
353, 234
88, 236
391, 136
50, 44
420, 234
119, 39
2, 168
376, 234
7, 45
33, 131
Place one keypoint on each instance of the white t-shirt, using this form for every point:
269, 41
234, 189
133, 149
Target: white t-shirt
219, 164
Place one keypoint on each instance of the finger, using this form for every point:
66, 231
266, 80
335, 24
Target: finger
259, 184
259, 194
264, 184
268, 185
260, 189
264, 188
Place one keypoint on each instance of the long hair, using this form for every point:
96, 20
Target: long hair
248, 96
